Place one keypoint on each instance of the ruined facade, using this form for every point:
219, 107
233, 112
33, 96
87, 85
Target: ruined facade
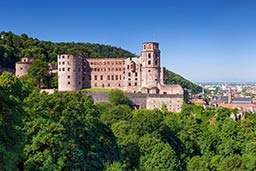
136, 74
140, 75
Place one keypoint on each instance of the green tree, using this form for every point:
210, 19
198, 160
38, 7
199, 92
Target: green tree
115, 113
197, 163
11, 115
157, 155
232, 163
117, 97
66, 137
39, 72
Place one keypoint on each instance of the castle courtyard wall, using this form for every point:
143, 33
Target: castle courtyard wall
146, 101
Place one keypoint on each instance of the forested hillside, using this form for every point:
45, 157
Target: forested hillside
173, 78
66, 131
13, 47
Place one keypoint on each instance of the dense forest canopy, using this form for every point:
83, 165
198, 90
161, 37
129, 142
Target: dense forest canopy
67, 131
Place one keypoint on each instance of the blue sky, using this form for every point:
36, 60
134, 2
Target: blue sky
202, 40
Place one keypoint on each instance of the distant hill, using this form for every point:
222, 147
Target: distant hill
173, 78
13, 47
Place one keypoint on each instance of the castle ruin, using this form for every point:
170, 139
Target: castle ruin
141, 75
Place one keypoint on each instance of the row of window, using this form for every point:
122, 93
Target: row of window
107, 63
103, 85
149, 62
119, 85
63, 63
63, 57
130, 84
107, 69
63, 69
109, 77
129, 74
68, 69
155, 55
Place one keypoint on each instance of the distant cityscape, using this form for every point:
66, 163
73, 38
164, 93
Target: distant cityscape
241, 96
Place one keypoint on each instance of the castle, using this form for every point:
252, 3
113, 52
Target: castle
141, 74
140, 77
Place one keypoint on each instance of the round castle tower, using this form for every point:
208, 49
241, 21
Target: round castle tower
70, 72
150, 60
22, 67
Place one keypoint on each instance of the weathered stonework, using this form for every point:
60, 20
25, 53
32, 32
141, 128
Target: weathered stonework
140, 75
22, 67
147, 101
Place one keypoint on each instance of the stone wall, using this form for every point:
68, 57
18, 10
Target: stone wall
147, 101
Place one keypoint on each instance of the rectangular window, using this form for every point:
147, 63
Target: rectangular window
108, 77
63, 69
112, 77
63, 63
68, 76
68, 82
135, 84
95, 77
101, 77
149, 62
68, 69
116, 77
